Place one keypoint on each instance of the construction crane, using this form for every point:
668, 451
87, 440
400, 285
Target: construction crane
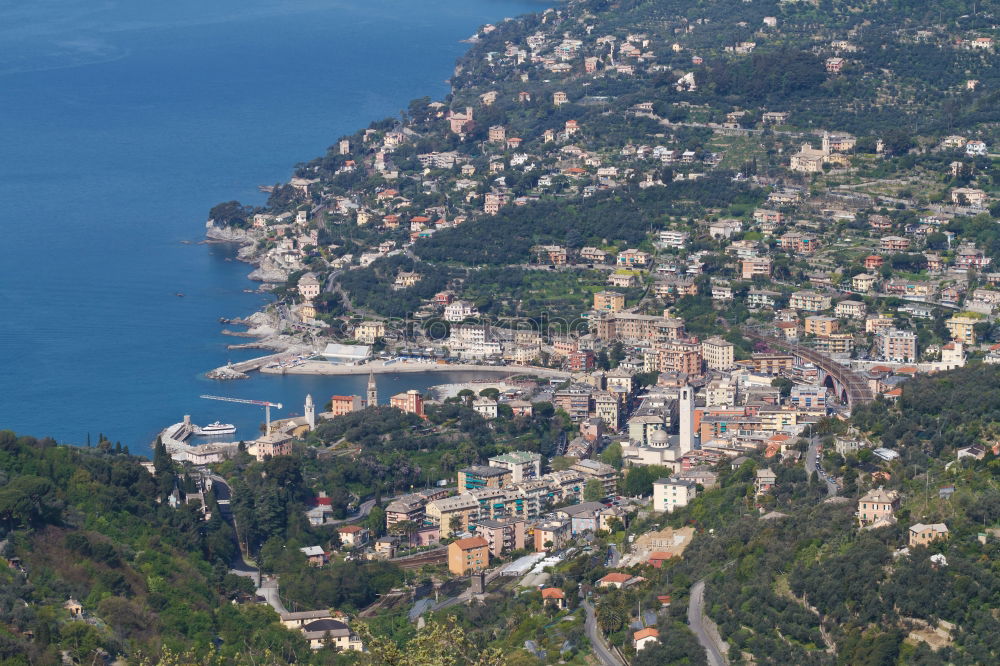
260, 403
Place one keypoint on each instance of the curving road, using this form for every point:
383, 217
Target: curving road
363, 511
696, 620
812, 459
601, 651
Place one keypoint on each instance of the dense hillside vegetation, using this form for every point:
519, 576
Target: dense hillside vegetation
91, 524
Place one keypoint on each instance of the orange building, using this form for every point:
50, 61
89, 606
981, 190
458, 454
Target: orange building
345, 404
411, 402
465, 555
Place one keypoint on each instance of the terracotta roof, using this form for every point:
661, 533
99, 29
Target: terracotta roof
616, 578
350, 529
660, 555
553, 593
470, 543
646, 633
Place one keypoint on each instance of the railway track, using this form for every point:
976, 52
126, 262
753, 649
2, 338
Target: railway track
417, 561
858, 390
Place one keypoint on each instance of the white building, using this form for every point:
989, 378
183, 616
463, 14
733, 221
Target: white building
459, 311
485, 407
672, 493
523, 465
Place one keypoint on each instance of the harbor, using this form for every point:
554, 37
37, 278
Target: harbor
177, 438
241, 369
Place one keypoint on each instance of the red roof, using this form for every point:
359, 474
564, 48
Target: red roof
646, 633
350, 529
553, 593
470, 543
616, 578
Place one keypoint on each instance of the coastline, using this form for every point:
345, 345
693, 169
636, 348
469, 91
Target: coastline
326, 368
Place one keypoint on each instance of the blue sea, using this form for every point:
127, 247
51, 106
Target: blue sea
121, 124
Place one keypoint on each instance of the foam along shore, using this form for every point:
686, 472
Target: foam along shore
399, 367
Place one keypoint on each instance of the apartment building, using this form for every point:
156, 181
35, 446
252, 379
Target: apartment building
718, 354
502, 536
772, 364
672, 493
522, 465
821, 325
483, 476
809, 301
594, 469
468, 555
609, 301
752, 267
452, 514
896, 345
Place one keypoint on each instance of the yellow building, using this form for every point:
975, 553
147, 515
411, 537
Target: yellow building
441, 512
368, 331
609, 301
820, 325
718, 354
962, 328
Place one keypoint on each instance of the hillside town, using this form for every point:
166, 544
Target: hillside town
768, 276
721, 276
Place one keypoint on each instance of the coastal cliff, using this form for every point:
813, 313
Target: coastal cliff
227, 234
267, 269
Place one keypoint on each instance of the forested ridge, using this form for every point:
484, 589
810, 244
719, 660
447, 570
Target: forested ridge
92, 524
803, 584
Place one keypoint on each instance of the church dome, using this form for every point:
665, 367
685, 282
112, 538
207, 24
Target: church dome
658, 439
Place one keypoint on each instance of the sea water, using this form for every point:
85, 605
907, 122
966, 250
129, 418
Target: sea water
121, 124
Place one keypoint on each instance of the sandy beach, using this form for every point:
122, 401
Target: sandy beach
399, 367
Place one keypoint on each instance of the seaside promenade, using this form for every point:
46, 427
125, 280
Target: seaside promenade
401, 367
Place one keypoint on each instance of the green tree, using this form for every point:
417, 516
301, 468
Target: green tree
437, 644
593, 491
612, 455
375, 522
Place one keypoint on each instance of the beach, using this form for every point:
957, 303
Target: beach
400, 367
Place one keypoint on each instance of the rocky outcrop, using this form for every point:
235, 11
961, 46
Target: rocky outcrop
269, 271
227, 234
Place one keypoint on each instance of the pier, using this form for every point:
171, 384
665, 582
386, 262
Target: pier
240, 370
175, 437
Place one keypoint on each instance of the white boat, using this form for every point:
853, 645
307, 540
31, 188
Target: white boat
217, 428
